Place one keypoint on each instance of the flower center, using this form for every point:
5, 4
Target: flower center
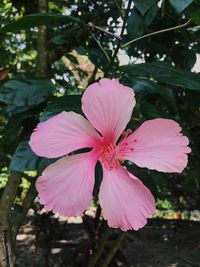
112, 155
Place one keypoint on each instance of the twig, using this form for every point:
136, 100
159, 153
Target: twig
119, 43
101, 47
95, 257
157, 32
113, 250
91, 25
119, 8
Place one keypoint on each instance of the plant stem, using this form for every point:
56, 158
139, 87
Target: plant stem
113, 250
95, 257
101, 47
121, 35
157, 32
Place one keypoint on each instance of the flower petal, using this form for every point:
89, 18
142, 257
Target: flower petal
66, 186
126, 203
108, 106
62, 134
158, 144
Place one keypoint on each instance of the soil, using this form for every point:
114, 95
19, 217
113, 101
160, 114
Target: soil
45, 241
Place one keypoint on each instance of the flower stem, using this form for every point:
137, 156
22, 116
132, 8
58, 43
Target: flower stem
95, 257
113, 250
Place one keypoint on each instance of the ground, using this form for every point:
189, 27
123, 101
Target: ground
60, 243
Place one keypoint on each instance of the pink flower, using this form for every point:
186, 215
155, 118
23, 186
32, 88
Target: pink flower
66, 186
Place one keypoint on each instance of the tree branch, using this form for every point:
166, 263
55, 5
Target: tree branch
121, 35
157, 32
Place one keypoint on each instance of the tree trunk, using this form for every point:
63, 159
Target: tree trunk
42, 71
6, 240
42, 57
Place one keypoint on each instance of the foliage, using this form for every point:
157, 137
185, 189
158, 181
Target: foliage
159, 68
163, 81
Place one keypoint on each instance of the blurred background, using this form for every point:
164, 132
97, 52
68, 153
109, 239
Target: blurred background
50, 51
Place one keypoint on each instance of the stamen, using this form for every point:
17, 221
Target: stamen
125, 134
111, 157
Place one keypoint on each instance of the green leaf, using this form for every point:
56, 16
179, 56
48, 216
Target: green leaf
184, 57
64, 103
135, 26
151, 111
20, 95
25, 160
163, 73
196, 17
38, 19
144, 6
95, 55
150, 15
144, 85
180, 5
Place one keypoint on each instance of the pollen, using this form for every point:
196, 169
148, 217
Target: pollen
111, 156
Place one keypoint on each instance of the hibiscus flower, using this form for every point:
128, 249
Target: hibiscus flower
66, 186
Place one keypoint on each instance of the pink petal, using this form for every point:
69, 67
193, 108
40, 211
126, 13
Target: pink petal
62, 134
126, 203
158, 144
66, 186
108, 106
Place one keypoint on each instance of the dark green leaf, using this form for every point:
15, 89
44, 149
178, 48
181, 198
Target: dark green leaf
144, 85
72, 58
135, 26
96, 56
144, 6
150, 15
64, 103
196, 17
180, 5
38, 19
20, 95
151, 111
25, 160
164, 73
184, 57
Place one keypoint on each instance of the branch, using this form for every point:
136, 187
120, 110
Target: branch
157, 32
92, 26
121, 35
101, 47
